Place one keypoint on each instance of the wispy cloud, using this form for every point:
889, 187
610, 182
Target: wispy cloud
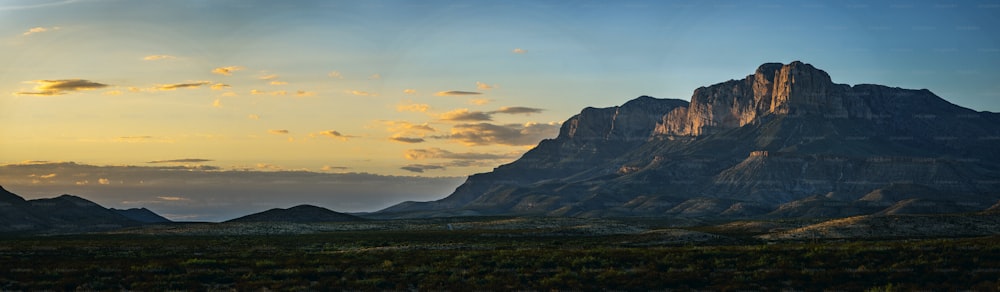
159, 57
333, 134
410, 91
253, 117
456, 93
481, 134
480, 101
172, 198
420, 168
39, 29
361, 93
410, 106
269, 77
276, 82
484, 86
518, 110
303, 93
334, 168
220, 86
404, 128
182, 160
228, 70
61, 86
275, 93
438, 153
191, 85
141, 139
519, 51
409, 140
460, 115
278, 132
375, 76
335, 74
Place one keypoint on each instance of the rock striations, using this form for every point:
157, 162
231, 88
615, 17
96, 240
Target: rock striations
783, 142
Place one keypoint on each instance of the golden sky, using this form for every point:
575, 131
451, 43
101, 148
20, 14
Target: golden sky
422, 88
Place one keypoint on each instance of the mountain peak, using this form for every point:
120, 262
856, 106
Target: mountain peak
813, 144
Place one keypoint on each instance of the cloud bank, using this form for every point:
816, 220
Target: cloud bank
206, 193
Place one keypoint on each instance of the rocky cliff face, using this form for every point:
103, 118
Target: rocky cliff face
796, 88
783, 134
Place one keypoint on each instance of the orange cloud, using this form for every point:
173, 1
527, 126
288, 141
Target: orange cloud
253, 117
275, 93
413, 107
61, 86
333, 134
404, 128
220, 86
519, 51
278, 82
39, 29
191, 85
304, 93
438, 153
158, 57
465, 115
484, 86
361, 93
480, 101
278, 132
227, 70
409, 91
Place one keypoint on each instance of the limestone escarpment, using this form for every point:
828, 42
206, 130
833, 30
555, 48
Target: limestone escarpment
784, 141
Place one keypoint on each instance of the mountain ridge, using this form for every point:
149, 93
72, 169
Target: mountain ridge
782, 134
66, 213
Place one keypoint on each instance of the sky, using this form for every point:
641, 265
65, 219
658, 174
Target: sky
405, 91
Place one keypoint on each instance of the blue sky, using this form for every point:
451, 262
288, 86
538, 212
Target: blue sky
426, 88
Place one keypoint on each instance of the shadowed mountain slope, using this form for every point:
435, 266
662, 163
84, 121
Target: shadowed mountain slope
785, 142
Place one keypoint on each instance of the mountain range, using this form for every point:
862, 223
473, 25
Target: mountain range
66, 213
784, 142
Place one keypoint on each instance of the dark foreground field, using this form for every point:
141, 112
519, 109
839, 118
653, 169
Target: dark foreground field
474, 260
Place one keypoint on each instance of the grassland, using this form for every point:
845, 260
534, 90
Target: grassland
492, 259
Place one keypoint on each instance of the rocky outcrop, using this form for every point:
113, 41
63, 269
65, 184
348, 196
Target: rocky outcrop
796, 88
783, 142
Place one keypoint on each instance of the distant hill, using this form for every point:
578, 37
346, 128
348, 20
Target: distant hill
64, 214
142, 215
298, 214
784, 142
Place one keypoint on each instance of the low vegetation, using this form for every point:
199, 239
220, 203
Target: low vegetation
475, 259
